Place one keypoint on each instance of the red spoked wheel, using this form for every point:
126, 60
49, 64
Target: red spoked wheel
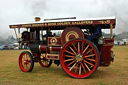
44, 62
26, 62
79, 58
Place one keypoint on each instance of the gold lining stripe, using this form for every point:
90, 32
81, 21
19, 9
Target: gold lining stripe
50, 48
39, 48
53, 56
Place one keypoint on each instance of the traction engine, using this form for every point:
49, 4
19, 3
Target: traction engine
78, 56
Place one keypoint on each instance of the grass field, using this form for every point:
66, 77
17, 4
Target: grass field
10, 73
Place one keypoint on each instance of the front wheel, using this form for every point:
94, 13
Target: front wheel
26, 62
79, 58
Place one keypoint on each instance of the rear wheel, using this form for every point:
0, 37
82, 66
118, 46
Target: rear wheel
26, 62
44, 62
79, 58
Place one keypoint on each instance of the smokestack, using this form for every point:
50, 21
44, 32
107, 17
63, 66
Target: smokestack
37, 19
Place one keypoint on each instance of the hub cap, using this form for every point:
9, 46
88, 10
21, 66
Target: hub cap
79, 57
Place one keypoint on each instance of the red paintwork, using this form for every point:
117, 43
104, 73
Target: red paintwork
52, 57
105, 50
55, 48
36, 57
106, 53
43, 48
49, 48
57, 43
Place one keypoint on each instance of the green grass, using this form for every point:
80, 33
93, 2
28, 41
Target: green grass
10, 73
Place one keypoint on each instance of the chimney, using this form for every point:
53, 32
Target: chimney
37, 19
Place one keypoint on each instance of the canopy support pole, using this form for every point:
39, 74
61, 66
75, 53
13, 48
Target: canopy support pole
27, 29
16, 35
42, 33
19, 37
111, 31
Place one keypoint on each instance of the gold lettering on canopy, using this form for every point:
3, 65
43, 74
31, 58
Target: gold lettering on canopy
14, 26
45, 24
37, 25
105, 22
28, 25
89, 22
82, 22
58, 24
63, 23
51, 24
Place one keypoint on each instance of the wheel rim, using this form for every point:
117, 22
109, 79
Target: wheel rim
25, 62
79, 58
44, 62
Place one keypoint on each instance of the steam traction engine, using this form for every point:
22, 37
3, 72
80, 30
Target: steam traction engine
78, 56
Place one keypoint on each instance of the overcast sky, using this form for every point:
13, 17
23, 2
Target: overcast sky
16, 11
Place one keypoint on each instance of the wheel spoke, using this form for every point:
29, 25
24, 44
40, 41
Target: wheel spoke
72, 50
69, 52
89, 55
29, 64
74, 46
23, 64
90, 59
89, 51
85, 49
69, 56
83, 67
42, 61
26, 57
71, 63
27, 67
23, 57
29, 61
78, 46
82, 46
80, 70
46, 63
88, 63
72, 67
68, 60
76, 68
41, 57
87, 66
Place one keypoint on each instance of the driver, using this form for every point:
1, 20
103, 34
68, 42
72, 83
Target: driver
95, 32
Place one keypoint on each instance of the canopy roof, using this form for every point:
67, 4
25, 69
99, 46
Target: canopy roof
56, 24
